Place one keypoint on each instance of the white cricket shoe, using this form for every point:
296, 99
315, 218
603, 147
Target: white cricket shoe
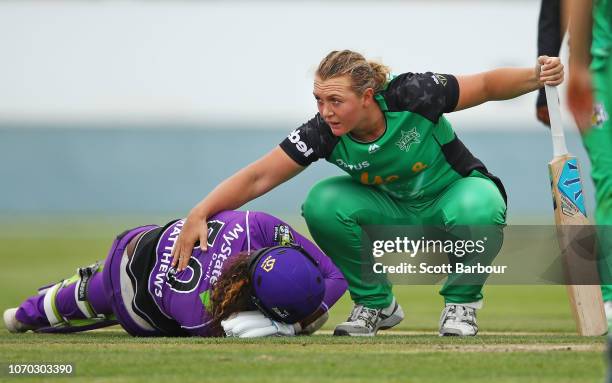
12, 324
458, 320
365, 321
608, 310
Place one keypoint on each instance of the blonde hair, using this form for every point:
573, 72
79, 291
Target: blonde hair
364, 74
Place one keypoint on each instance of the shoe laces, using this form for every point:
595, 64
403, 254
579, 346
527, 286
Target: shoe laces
461, 313
368, 316
354, 313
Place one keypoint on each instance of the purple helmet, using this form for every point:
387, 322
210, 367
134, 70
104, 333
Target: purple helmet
286, 283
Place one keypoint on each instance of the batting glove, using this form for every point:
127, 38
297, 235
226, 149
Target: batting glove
253, 324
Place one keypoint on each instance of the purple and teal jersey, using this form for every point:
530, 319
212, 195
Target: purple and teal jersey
184, 297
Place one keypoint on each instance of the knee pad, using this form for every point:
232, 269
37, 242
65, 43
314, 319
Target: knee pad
81, 281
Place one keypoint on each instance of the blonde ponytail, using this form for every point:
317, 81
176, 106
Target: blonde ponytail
364, 74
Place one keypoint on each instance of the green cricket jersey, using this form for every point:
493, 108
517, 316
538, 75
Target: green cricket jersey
417, 156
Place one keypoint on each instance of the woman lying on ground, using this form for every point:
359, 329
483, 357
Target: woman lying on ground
258, 277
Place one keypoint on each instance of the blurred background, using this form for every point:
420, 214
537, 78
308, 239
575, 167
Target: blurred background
120, 113
114, 108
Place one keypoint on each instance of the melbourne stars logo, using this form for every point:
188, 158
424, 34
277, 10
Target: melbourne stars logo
373, 148
440, 78
599, 115
408, 138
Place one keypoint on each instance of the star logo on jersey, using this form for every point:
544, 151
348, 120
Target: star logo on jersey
408, 138
414, 82
599, 116
373, 148
426, 98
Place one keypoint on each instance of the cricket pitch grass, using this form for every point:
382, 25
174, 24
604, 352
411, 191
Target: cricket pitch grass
527, 333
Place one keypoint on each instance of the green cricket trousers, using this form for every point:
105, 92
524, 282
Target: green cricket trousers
336, 209
598, 143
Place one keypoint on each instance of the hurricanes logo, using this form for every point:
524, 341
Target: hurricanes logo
268, 264
408, 138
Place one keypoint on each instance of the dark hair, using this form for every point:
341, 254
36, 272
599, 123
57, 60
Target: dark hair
232, 291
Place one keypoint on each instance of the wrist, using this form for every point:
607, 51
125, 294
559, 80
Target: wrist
199, 212
535, 80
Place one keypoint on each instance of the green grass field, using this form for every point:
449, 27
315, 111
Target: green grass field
527, 333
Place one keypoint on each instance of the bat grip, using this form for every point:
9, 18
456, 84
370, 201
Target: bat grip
556, 127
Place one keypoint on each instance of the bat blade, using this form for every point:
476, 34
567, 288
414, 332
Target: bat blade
566, 185
575, 236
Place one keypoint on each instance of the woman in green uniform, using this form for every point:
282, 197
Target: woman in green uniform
590, 100
404, 163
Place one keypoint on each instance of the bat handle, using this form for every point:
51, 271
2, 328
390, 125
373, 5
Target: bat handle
556, 127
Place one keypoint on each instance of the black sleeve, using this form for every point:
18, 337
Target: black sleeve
309, 142
428, 94
550, 35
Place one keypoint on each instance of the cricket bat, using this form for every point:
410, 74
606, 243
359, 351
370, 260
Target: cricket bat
570, 216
